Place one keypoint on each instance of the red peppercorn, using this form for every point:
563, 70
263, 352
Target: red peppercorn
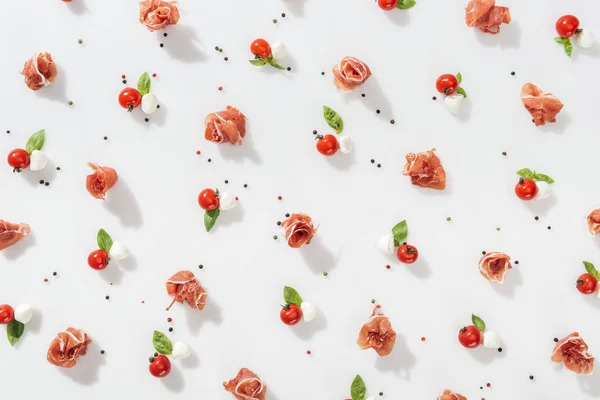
236, 198
169, 319
220, 87
378, 305
308, 352
488, 384
423, 339
388, 267
45, 279
279, 197
123, 76
154, 75
198, 152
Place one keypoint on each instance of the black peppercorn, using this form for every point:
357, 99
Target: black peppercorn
483, 252
378, 165
165, 34
170, 329
531, 377
513, 73
162, 45
226, 181
499, 349
47, 183
58, 168
556, 339
278, 223
283, 15
41, 182
209, 160
378, 111
102, 352
151, 359
536, 218
200, 266
363, 95
124, 81
245, 185
54, 273
226, 58
107, 297
287, 215
322, 73
372, 161
315, 132
289, 68
517, 262
434, 98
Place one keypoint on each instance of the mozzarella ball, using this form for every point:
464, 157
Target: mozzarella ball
346, 144
23, 313
386, 244
278, 50
544, 190
453, 102
149, 103
585, 39
227, 201
491, 340
118, 251
309, 311
181, 350
39, 159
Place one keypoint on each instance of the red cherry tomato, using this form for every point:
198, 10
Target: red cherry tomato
160, 367
446, 84
587, 284
129, 98
327, 145
18, 159
98, 259
526, 189
208, 199
567, 25
7, 314
66, 1
407, 254
387, 4
470, 337
290, 314
260, 48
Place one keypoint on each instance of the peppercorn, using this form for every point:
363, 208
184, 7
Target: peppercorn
170, 329
102, 352
162, 45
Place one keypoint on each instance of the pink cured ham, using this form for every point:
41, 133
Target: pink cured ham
102, 179
39, 71
67, 347
184, 286
377, 334
425, 170
493, 266
11, 233
543, 107
572, 351
246, 386
157, 14
485, 15
299, 230
450, 395
228, 125
350, 73
593, 221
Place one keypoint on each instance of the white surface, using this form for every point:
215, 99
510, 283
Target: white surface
153, 206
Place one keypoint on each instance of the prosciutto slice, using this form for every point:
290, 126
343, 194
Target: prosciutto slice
39, 71
67, 347
493, 266
11, 233
299, 230
377, 334
485, 15
350, 73
246, 386
425, 170
450, 395
593, 221
184, 286
156, 14
543, 107
102, 179
228, 125
572, 351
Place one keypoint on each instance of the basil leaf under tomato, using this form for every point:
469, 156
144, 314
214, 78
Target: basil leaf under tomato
161, 343
291, 296
144, 84
400, 232
210, 218
478, 322
333, 119
358, 390
14, 331
104, 240
35, 141
258, 62
271, 61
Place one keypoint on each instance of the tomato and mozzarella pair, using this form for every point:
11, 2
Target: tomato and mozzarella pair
388, 5
567, 27
295, 308
212, 202
388, 243
160, 365
265, 53
15, 320
328, 144
473, 336
99, 259
533, 185
32, 156
588, 283
131, 98
448, 84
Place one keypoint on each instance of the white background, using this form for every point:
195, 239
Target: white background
153, 207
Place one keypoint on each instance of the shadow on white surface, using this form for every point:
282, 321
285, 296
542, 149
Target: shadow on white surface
514, 279
541, 207
57, 90
464, 113
174, 381
433, 192
158, 118
398, 17
193, 361
115, 271
306, 331
86, 370
182, 43
591, 52
47, 175
35, 324
592, 300
508, 37
16, 250
560, 126
590, 384
420, 268
235, 215
296, 7
486, 356
374, 98
77, 7
317, 256
238, 153
128, 264
400, 361
211, 313
597, 242
342, 161
121, 203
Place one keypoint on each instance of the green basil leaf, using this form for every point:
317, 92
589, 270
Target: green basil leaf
589, 267
161, 343
526, 173
461, 91
459, 78
400, 232
104, 240
271, 61
333, 119
36, 141
358, 390
14, 331
291, 296
542, 177
561, 40
568, 48
144, 84
405, 4
259, 62
478, 322
210, 217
